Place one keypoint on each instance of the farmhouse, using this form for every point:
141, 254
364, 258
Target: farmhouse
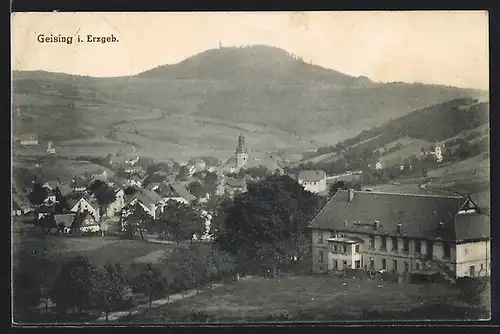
174, 191
28, 139
313, 181
86, 203
76, 223
57, 187
148, 200
402, 233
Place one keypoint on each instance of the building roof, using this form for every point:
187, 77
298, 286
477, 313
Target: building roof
28, 136
80, 219
146, 197
311, 175
236, 183
65, 219
419, 216
174, 189
87, 197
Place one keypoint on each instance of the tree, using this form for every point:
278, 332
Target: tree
258, 172
269, 221
183, 173
113, 286
38, 194
47, 223
137, 220
26, 290
197, 189
61, 203
181, 221
151, 281
103, 193
77, 286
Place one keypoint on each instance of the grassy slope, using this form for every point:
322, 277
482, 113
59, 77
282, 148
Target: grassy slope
322, 298
275, 100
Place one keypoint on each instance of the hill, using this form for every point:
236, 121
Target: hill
200, 106
421, 128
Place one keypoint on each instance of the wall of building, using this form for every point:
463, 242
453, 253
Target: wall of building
459, 260
315, 186
473, 254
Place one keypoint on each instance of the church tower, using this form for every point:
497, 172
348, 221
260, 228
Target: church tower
241, 153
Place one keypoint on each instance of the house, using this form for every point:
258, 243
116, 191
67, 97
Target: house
84, 222
79, 185
134, 181
174, 191
403, 233
114, 208
86, 203
234, 186
16, 209
58, 187
28, 140
50, 148
45, 210
79, 222
147, 199
196, 165
313, 181
378, 165
436, 153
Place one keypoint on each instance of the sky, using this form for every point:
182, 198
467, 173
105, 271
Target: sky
438, 47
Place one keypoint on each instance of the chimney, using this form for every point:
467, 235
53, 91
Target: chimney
376, 225
399, 228
350, 193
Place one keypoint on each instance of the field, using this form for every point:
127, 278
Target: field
99, 250
411, 148
310, 298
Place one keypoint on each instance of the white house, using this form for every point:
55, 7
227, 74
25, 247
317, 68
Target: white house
28, 140
147, 199
86, 203
378, 165
313, 181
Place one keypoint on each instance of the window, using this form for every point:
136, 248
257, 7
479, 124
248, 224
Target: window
395, 244
372, 241
395, 265
384, 264
321, 257
383, 240
430, 248
418, 246
472, 271
446, 251
335, 248
335, 264
372, 263
344, 249
406, 245
345, 264
407, 267
356, 249
417, 266
320, 237
482, 266
357, 264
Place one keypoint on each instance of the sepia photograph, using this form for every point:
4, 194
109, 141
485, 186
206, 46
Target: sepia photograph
250, 167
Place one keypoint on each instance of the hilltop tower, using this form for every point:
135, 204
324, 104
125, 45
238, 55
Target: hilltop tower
241, 153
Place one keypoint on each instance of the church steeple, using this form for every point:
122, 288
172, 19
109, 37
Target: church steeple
241, 152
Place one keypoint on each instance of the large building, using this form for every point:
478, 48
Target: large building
402, 233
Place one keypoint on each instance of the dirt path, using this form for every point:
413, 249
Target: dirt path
114, 316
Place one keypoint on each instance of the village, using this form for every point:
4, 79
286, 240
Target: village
165, 203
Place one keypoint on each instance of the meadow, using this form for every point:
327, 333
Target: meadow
315, 298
